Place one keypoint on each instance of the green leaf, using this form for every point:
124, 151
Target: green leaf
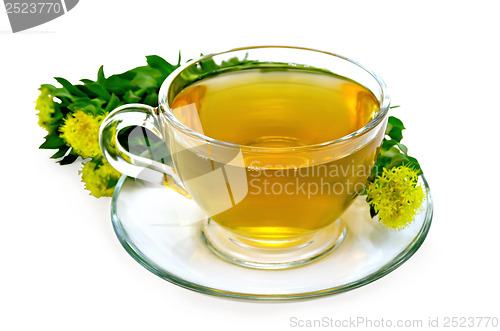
154, 61
396, 122
412, 162
147, 77
373, 212
142, 91
119, 84
101, 79
397, 160
98, 102
395, 128
388, 128
114, 102
151, 99
232, 62
61, 152
52, 142
396, 134
68, 159
57, 114
388, 144
70, 87
403, 148
62, 92
392, 152
84, 104
50, 87
112, 182
130, 97
127, 75
208, 65
99, 91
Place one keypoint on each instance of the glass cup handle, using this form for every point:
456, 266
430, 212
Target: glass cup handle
130, 164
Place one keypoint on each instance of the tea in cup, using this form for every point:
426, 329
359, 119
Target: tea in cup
272, 143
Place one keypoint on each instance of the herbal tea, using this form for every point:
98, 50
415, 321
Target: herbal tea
284, 108
287, 196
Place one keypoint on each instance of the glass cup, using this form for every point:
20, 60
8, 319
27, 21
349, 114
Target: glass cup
267, 207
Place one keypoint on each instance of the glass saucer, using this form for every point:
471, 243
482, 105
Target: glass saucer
160, 229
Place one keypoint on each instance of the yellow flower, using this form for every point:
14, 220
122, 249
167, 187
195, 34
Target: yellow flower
81, 131
396, 197
100, 179
45, 107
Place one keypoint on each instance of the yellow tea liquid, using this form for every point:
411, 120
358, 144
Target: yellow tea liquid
290, 194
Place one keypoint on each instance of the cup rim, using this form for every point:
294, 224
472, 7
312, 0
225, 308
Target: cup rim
167, 110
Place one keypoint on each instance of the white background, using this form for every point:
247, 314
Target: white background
62, 267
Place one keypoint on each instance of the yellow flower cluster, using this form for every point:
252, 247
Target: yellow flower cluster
396, 197
45, 107
81, 131
100, 179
